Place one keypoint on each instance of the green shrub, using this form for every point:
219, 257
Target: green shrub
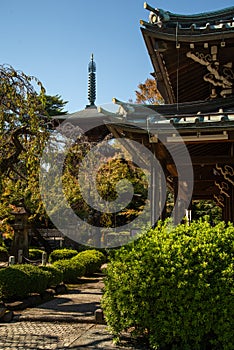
14, 284
56, 275
17, 281
71, 270
62, 254
92, 259
4, 256
37, 278
175, 285
35, 254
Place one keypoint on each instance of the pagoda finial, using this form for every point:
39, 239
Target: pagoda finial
92, 82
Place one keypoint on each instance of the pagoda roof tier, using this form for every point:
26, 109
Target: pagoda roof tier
89, 120
192, 55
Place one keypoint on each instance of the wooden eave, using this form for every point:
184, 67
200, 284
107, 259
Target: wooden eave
186, 35
179, 78
173, 41
163, 83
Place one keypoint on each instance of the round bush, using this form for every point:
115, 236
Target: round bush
71, 270
4, 256
92, 259
37, 278
55, 275
175, 286
62, 254
35, 254
14, 284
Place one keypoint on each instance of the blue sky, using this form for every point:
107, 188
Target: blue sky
53, 40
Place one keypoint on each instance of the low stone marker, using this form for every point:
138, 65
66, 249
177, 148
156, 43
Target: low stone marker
99, 317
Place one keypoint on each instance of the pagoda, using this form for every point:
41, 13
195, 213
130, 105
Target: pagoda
89, 120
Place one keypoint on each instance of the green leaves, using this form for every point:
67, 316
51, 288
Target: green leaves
176, 283
25, 124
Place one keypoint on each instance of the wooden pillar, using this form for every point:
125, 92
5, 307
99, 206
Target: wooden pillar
175, 210
157, 195
154, 183
226, 210
179, 203
164, 210
232, 204
228, 206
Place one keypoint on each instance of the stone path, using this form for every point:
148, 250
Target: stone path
78, 305
66, 322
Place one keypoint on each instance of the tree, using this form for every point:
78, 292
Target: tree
102, 182
24, 120
23, 128
20, 116
54, 105
148, 93
206, 208
25, 125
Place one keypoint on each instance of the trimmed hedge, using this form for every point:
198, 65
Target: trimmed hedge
175, 286
35, 254
56, 276
37, 278
13, 284
71, 270
18, 281
92, 260
62, 254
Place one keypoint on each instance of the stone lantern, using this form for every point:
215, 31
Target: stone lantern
20, 225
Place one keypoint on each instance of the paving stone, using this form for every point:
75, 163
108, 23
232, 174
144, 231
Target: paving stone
66, 322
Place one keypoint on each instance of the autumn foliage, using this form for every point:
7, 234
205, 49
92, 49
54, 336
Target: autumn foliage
148, 93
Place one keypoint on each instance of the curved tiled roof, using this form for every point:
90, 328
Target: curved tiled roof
192, 55
184, 117
215, 19
89, 120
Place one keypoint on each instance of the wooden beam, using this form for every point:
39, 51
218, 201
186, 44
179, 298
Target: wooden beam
208, 160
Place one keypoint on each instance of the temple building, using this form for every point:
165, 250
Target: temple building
192, 134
